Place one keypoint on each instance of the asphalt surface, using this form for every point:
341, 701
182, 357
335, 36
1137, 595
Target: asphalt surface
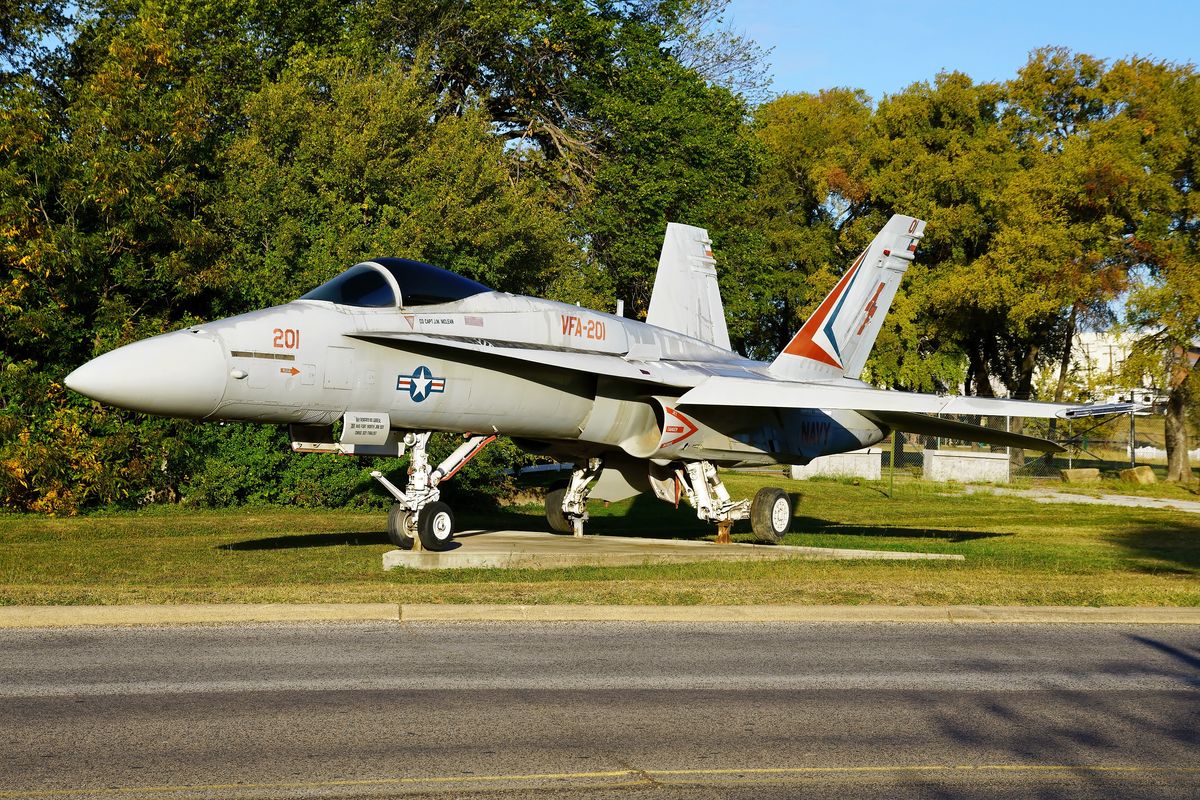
601, 709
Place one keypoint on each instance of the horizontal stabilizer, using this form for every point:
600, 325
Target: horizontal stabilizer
963, 431
1100, 409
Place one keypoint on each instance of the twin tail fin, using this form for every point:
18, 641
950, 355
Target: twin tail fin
836, 340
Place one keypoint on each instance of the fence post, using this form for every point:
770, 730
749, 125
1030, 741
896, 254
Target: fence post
896, 447
1132, 460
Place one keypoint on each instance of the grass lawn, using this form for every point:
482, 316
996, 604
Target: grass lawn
1017, 553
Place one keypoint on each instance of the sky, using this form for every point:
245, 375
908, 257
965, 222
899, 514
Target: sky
882, 47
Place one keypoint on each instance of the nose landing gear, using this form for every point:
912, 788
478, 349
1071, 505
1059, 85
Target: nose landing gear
419, 519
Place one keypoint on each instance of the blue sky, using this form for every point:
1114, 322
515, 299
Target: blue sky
883, 47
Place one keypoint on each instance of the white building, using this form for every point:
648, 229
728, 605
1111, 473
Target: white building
1096, 360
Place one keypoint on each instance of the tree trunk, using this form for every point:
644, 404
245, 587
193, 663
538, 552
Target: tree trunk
980, 381
1175, 427
1064, 365
1016, 458
978, 378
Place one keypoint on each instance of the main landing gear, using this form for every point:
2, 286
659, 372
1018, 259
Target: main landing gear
770, 512
566, 503
419, 519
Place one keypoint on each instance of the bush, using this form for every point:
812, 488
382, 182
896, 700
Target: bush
253, 464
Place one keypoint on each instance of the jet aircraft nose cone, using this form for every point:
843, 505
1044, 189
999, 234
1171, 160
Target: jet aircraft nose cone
181, 374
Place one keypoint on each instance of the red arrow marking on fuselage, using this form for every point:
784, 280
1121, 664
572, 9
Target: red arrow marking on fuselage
289, 370
688, 428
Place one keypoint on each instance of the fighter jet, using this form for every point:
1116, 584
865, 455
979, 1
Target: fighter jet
392, 350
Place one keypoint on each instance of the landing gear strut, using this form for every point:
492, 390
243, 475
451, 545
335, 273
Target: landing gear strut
770, 513
419, 519
707, 494
566, 504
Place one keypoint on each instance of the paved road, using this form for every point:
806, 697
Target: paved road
614, 709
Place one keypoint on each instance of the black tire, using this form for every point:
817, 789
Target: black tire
399, 532
771, 514
559, 523
435, 526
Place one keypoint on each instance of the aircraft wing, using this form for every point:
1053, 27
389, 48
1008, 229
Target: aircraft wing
663, 373
902, 411
725, 391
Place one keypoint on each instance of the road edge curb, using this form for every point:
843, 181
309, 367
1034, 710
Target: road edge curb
118, 615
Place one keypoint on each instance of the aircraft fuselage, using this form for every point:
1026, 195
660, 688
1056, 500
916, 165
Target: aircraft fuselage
448, 367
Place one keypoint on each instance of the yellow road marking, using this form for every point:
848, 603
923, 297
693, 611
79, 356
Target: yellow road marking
639, 776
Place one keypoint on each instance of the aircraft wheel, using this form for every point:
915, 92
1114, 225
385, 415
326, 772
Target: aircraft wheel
554, 512
399, 532
435, 526
771, 514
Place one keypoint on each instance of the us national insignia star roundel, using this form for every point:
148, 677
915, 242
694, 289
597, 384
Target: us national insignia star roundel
420, 384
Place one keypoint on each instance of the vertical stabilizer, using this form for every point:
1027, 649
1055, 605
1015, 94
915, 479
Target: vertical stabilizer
686, 298
836, 340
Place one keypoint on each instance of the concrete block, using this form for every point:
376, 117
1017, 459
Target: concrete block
966, 466
1141, 475
529, 550
1083, 475
855, 464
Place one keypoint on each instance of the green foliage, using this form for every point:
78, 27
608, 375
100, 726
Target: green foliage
676, 150
337, 164
59, 455
241, 464
1034, 191
253, 464
180, 160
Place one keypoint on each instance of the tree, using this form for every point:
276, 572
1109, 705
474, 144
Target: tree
675, 150
938, 153
1162, 104
339, 162
31, 33
105, 184
804, 197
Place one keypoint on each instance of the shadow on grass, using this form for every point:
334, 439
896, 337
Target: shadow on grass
661, 521
354, 539
645, 517
1167, 547
812, 525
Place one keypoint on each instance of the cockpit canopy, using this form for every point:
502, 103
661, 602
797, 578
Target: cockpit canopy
395, 283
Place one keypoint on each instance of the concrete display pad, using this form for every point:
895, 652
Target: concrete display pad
531, 550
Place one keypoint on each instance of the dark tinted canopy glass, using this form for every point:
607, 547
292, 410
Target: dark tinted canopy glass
420, 285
